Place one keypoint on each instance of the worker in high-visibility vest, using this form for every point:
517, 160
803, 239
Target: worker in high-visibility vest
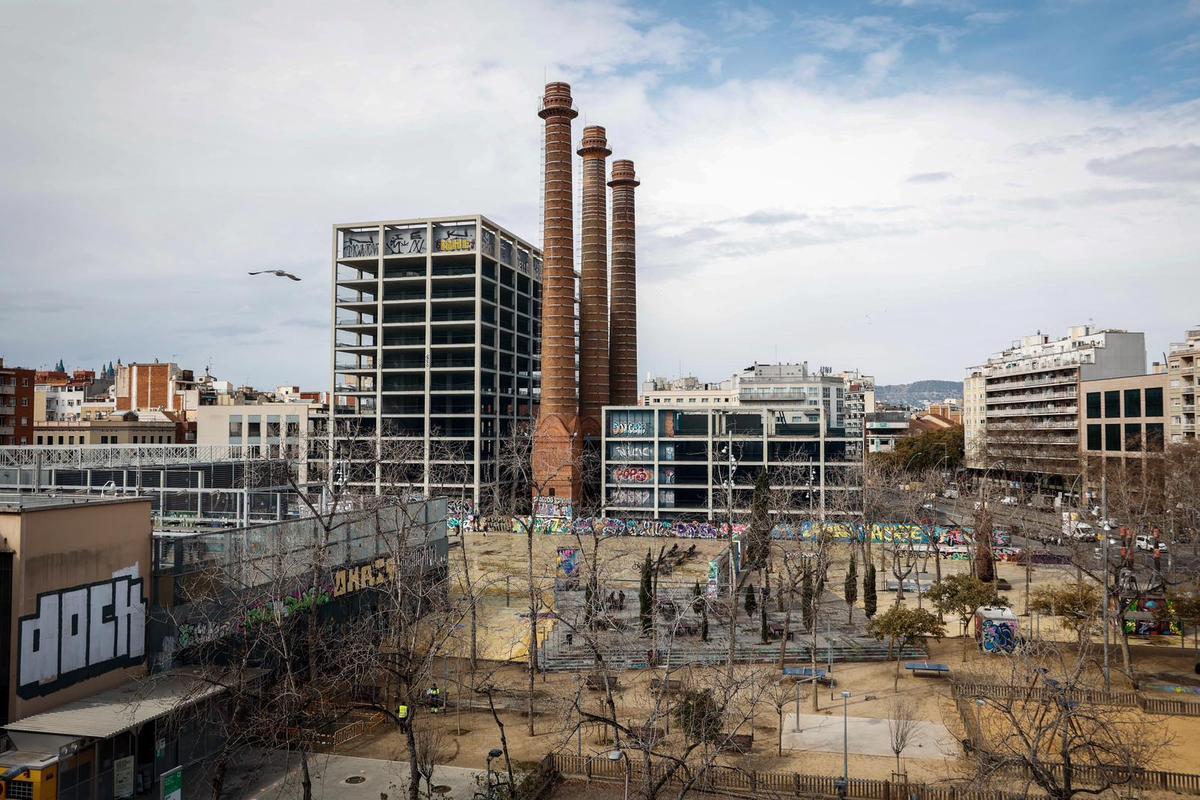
402, 715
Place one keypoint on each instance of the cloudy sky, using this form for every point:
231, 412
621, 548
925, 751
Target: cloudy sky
902, 186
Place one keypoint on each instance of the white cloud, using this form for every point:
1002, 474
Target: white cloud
154, 153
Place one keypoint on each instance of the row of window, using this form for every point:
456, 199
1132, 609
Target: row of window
1116, 403
1132, 437
253, 427
105, 439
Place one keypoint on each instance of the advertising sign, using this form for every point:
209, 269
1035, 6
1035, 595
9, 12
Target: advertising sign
454, 238
172, 784
123, 777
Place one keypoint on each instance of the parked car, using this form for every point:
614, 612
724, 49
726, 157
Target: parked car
950, 494
1148, 544
1008, 500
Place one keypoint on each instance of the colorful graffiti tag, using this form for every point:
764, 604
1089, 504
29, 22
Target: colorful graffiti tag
632, 474
998, 636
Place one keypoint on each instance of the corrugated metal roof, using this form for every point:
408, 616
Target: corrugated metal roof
108, 713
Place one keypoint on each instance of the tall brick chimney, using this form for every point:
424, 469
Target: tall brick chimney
622, 360
593, 293
557, 444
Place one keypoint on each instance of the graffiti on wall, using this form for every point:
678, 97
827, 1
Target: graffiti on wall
552, 508
81, 632
634, 427
453, 238
348, 580
998, 636
404, 242
568, 561
506, 250
488, 242
632, 474
627, 450
362, 243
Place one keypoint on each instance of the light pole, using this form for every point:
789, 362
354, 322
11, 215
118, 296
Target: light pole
845, 787
1104, 609
732, 467
617, 755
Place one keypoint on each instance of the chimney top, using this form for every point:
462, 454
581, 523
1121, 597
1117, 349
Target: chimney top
594, 142
622, 173
557, 101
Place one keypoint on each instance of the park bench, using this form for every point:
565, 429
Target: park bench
668, 685
776, 630
598, 683
739, 743
917, 667
806, 673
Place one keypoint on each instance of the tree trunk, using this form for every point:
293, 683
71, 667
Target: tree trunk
414, 773
305, 777
474, 653
787, 627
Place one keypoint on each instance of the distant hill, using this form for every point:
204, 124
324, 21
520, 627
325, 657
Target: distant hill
918, 393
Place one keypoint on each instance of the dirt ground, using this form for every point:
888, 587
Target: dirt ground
469, 735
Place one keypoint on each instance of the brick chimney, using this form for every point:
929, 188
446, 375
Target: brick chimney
593, 292
622, 361
557, 444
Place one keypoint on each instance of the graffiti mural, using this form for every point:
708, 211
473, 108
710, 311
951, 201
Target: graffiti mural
506, 251
632, 474
81, 632
568, 561
552, 508
630, 497
360, 244
453, 238
630, 450
348, 580
998, 636
488, 242
405, 242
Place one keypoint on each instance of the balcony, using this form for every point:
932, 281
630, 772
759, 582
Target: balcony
7, 430
8, 388
1024, 426
1027, 397
7, 409
1047, 411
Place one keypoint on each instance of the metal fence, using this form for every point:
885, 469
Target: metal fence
1041, 694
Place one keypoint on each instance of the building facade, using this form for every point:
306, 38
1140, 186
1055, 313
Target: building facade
1030, 425
130, 427
436, 343
1182, 363
884, 428
1122, 425
673, 462
16, 405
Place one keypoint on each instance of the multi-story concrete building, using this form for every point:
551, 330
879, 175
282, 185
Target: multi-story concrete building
686, 390
673, 461
974, 420
1182, 370
436, 342
860, 401
1030, 428
16, 405
1122, 424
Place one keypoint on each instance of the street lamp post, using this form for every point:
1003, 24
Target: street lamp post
617, 755
845, 787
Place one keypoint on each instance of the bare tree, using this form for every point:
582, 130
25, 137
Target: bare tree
902, 726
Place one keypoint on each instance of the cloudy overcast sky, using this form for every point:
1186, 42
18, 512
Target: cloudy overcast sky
902, 186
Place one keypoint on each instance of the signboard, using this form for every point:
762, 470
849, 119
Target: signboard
123, 777
172, 784
405, 241
454, 238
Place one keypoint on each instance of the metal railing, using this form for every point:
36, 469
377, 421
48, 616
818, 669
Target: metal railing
100, 456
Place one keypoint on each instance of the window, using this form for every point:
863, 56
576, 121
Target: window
273, 427
70, 440
25, 402
1093, 435
39, 440
293, 427
1133, 437
1154, 435
253, 429
235, 428
1112, 438
1112, 403
1133, 402
1154, 402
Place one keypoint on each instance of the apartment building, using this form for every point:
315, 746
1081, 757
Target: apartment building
16, 405
119, 427
1028, 422
674, 461
437, 343
1182, 363
884, 427
686, 390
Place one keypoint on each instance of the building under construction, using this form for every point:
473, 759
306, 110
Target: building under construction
581, 374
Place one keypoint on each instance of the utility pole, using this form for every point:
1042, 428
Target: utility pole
731, 465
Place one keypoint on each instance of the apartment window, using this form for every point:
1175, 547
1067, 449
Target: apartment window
1133, 437
1112, 438
235, 428
273, 428
1133, 402
293, 427
25, 402
1154, 402
39, 440
253, 429
1112, 404
1094, 436
1154, 435
60, 440
70, 440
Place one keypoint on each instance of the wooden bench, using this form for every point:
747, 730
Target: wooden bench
739, 743
668, 685
598, 683
806, 674
918, 667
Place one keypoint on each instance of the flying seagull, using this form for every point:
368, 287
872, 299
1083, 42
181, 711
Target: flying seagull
276, 272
